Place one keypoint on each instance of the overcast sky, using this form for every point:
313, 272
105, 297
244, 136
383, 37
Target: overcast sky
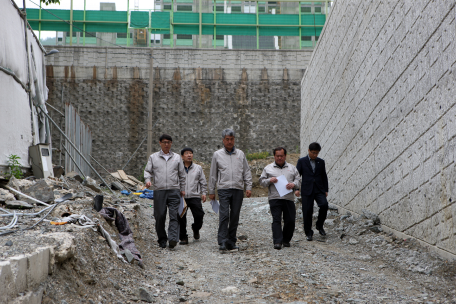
121, 5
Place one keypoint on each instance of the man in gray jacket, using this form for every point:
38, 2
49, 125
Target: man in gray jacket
281, 204
229, 171
167, 171
195, 191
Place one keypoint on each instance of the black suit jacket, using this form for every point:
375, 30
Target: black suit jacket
310, 179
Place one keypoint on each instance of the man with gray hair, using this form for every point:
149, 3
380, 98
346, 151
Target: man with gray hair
229, 171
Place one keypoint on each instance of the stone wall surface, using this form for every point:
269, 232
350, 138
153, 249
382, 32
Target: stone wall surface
379, 95
197, 94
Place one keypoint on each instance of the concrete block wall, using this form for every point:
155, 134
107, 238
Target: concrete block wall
197, 94
379, 95
24, 274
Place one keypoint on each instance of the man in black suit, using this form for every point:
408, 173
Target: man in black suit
314, 187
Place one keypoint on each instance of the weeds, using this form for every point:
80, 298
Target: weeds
257, 155
15, 166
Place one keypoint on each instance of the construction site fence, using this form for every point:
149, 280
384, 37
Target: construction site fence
81, 136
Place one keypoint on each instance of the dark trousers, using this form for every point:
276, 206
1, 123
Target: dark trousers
194, 204
230, 208
307, 209
164, 199
287, 208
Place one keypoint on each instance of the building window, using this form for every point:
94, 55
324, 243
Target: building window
218, 37
184, 8
181, 36
306, 38
219, 8
166, 36
235, 9
123, 35
167, 7
306, 10
318, 10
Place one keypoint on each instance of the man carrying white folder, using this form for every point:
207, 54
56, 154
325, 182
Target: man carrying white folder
281, 178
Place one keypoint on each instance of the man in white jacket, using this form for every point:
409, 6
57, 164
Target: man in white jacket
281, 205
229, 172
195, 191
166, 170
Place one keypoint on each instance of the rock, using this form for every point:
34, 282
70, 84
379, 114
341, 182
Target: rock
332, 207
75, 176
19, 184
40, 190
365, 257
329, 222
144, 295
63, 302
201, 294
9, 243
180, 283
130, 257
182, 299
67, 247
5, 196
242, 237
371, 216
18, 205
116, 186
254, 280
78, 195
376, 229
352, 241
230, 289
92, 184
58, 171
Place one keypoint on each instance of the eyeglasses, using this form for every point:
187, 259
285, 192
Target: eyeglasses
166, 142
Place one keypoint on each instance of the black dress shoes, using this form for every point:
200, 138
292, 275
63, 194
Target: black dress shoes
322, 231
286, 244
222, 247
172, 244
278, 246
184, 242
196, 235
162, 244
309, 238
231, 247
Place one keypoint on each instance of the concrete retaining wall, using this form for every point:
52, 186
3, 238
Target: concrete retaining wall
379, 95
197, 94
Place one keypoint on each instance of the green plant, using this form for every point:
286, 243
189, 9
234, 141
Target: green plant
15, 166
257, 155
297, 149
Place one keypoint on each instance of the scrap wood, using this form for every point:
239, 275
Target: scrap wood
131, 177
131, 183
122, 174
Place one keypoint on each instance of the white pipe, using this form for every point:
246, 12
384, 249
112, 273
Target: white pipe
29, 197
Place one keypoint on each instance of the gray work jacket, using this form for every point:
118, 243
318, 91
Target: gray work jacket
166, 175
195, 184
229, 171
273, 170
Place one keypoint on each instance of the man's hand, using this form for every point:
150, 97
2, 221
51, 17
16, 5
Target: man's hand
212, 197
148, 184
203, 198
248, 193
326, 193
297, 193
182, 193
273, 180
290, 186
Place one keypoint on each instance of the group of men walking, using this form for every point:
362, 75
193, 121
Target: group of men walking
177, 176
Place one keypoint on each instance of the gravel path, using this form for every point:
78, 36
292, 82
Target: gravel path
362, 266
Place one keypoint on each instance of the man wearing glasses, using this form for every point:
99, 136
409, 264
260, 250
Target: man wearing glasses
168, 173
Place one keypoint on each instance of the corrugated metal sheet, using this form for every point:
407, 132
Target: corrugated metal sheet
81, 136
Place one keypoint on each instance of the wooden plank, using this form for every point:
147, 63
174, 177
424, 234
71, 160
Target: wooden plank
131, 183
122, 174
131, 177
116, 175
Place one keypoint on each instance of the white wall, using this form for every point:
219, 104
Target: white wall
379, 95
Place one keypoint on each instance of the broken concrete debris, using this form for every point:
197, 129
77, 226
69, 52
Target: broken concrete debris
18, 205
